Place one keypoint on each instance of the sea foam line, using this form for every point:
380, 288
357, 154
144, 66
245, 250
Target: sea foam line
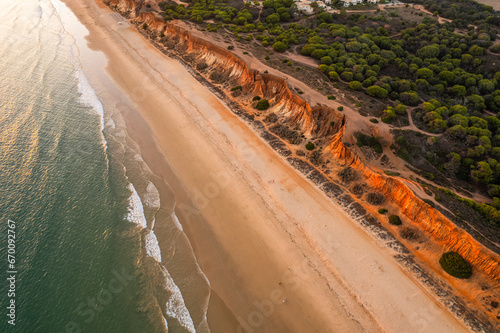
135, 209
175, 306
88, 95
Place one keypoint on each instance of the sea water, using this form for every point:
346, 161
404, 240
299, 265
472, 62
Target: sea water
86, 255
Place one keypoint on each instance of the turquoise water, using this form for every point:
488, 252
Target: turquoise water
84, 255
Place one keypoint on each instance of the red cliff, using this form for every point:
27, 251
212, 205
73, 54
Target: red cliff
315, 122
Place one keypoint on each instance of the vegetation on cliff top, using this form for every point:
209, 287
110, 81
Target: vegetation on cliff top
443, 75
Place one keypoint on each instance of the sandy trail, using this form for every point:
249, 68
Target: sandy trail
262, 233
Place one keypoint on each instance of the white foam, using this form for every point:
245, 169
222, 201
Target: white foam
88, 96
166, 323
135, 209
176, 308
152, 246
152, 196
176, 221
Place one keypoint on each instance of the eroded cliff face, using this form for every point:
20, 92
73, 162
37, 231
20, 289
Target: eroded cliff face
422, 215
315, 123
127, 7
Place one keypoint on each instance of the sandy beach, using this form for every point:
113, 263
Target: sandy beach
280, 256
493, 3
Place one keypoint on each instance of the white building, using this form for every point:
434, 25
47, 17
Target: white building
328, 2
305, 8
321, 4
348, 3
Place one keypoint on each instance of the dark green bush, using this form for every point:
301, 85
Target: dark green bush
455, 265
495, 48
230, 47
371, 141
331, 97
236, 88
310, 146
382, 211
373, 120
430, 202
279, 46
256, 98
394, 220
262, 105
376, 91
340, 108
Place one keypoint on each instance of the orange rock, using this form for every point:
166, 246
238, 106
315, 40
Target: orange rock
316, 122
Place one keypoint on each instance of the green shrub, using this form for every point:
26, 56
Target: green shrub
310, 146
355, 85
256, 98
279, 47
376, 91
340, 108
430, 202
382, 211
455, 265
267, 58
145, 26
236, 88
262, 105
394, 220
371, 141
230, 47
373, 120
495, 48
331, 97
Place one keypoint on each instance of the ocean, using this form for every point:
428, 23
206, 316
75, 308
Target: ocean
77, 196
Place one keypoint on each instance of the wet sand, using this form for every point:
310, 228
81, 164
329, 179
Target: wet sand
279, 255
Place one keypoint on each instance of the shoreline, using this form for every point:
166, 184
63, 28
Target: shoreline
159, 217
291, 238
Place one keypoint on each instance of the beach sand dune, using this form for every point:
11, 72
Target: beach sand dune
280, 256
